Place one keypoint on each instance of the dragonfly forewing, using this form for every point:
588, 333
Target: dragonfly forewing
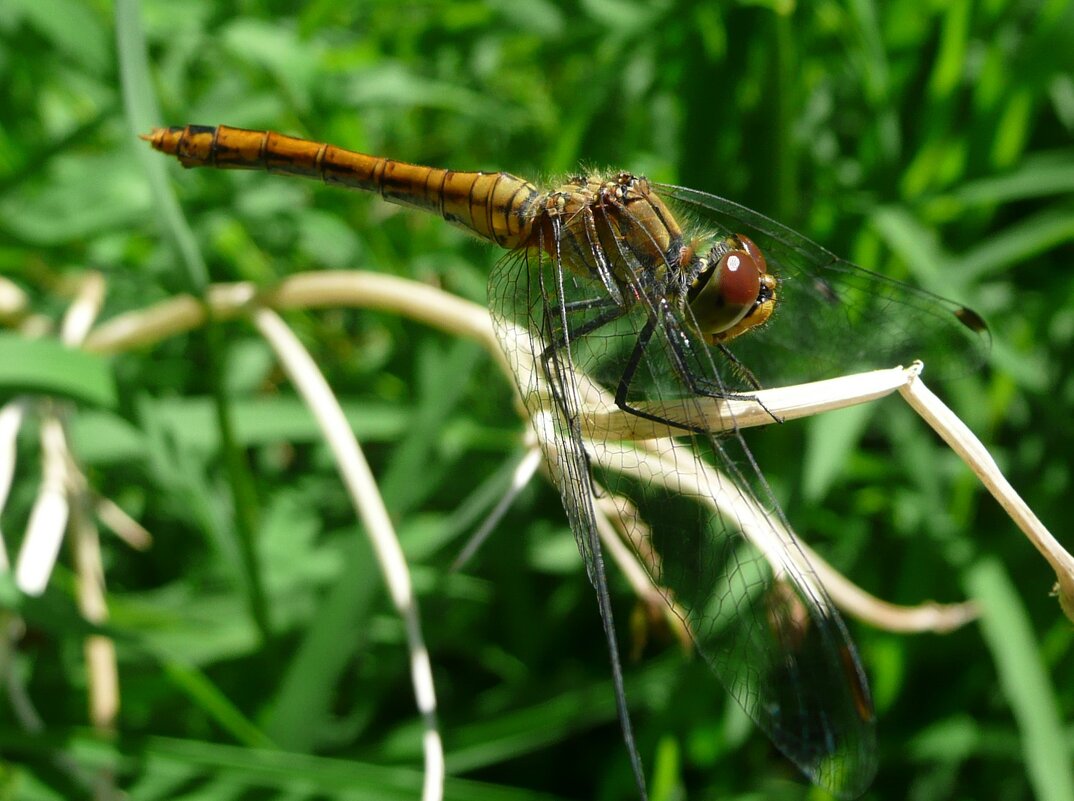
834, 317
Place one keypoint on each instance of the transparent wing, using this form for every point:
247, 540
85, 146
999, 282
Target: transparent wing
717, 547
831, 316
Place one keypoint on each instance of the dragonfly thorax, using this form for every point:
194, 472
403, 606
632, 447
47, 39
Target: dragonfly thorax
617, 231
620, 233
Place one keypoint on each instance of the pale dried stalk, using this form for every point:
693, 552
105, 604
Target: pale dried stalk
615, 531
48, 516
303, 291
360, 484
450, 313
122, 524
11, 418
100, 652
83, 310
674, 465
520, 478
963, 441
791, 402
63, 498
714, 414
788, 403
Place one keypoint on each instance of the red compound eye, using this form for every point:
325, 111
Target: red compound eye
750, 247
738, 276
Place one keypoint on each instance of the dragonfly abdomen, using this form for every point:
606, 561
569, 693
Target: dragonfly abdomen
496, 206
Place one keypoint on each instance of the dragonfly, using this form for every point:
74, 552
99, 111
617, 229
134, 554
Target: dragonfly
651, 294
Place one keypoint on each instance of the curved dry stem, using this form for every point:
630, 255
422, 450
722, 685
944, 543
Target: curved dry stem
963, 441
751, 409
122, 524
63, 502
100, 652
677, 467
362, 488
314, 290
48, 516
520, 478
12, 415
447, 312
617, 524
83, 311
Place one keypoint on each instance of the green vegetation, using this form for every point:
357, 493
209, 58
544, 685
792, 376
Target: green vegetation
259, 655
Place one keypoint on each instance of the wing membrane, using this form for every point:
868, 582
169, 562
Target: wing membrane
833, 317
717, 547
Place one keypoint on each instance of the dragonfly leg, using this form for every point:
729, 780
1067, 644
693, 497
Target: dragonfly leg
742, 369
697, 385
583, 305
710, 388
561, 341
577, 241
623, 389
604, 267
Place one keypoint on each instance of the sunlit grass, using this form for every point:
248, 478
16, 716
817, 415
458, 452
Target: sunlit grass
929, 142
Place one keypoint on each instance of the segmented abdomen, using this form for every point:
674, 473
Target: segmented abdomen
496, 206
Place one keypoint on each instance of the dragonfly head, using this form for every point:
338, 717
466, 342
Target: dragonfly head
733, 291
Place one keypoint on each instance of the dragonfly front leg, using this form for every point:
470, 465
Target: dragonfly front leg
742, 369
696, 384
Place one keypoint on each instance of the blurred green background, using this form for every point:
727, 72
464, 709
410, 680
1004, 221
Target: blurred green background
258, 654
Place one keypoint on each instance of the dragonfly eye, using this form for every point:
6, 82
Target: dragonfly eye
748, 245
739, 278
738, 293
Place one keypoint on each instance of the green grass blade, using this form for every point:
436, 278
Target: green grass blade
1016, 653
47, 367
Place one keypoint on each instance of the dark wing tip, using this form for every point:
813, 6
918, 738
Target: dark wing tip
972, 320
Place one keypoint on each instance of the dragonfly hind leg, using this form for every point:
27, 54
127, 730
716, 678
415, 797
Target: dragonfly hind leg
610, 311
589, 304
